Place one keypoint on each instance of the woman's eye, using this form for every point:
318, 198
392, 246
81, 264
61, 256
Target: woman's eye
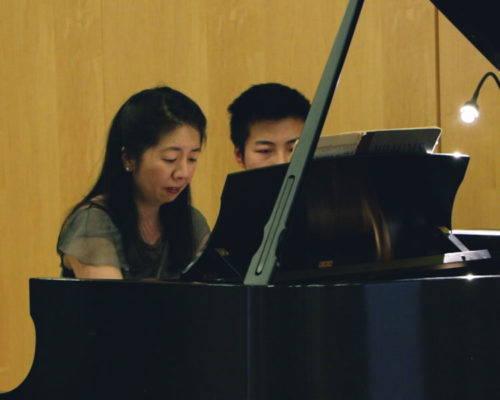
169, 160
193, 159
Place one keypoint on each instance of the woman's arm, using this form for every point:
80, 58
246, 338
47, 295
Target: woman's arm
90, 245
84, 271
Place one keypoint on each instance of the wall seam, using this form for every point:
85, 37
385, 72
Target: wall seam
438, 70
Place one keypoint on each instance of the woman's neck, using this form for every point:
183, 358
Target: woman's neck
149, 223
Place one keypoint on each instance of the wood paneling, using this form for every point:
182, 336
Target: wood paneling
67, 66
461, 68
28, 173
389, 80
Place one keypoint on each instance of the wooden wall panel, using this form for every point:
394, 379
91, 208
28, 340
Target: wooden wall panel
389, 79
67, 66
28, 185
461, 68
79, 91
51, 108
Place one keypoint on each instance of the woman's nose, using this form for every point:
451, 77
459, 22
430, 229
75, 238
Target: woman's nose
181, 169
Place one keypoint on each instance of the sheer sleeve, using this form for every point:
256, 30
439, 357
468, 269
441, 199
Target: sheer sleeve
92, 238
200, 227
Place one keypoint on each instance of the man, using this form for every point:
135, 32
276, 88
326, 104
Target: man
266, 121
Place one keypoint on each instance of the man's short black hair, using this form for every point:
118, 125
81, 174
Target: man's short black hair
264, 102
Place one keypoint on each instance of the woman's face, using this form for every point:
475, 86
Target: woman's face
167, 168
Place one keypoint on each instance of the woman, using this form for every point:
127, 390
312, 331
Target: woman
137, 221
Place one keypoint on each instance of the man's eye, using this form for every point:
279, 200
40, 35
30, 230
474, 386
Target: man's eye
193, 160
169, 160
263, 151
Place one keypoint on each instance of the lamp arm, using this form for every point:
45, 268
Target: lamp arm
476, 92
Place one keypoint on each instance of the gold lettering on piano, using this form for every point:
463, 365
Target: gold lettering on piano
325, 264
222, 252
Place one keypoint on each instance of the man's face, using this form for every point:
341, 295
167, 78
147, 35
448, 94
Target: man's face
270, 142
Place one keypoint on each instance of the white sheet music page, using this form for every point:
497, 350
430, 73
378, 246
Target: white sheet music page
406, 140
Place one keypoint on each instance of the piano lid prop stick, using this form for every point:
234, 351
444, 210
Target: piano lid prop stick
263, 262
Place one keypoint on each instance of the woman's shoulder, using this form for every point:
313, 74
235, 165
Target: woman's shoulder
197, 215
91, 237
91, 216
201, 229
200, 224
97, 202
95, 206
196, 212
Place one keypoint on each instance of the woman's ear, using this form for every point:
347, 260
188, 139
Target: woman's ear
128, 163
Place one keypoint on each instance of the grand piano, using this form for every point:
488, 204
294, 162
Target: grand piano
359, 291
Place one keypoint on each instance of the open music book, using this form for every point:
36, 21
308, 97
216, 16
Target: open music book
407, 140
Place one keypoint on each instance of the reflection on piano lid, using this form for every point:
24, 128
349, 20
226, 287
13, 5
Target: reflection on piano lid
478, 21
353, 214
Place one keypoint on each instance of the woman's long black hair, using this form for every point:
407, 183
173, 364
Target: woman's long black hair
139, 124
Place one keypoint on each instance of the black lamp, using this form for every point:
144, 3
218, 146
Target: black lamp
470, 110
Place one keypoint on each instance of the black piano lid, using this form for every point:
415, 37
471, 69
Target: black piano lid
478, 20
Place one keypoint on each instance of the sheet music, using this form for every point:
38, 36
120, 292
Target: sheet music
407, 140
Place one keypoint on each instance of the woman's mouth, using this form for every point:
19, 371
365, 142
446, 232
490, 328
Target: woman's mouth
173, 190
